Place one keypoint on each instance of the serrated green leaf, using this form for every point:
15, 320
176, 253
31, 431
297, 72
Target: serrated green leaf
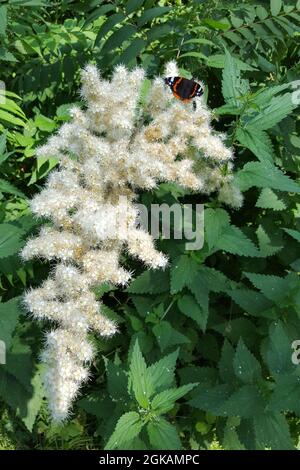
272, 431
183, 269
163, 435
164, 401
7, 187
225, 364
10, 239
278, 350
293, 233
150, 282
274, 288
258, 142
167, 336
128, 427
162, 371
141, 380
244, 402
265, 175
279, 108
267, 246
116, 381
108, 25
211, 398
232, 85
251, 301
188, 305
269, 200
3, 20
245, 365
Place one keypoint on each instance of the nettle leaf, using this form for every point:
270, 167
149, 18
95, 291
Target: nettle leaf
265, 175
165, 401
7, 187
279, 108
220, 235
232, 85
286, 394
162, 371
225, 365
9, 315
116, 381
167, 336
36, 399
163, 435
272, 431
266, 245
189, 306
278, 350
269, 200
246, 366
10, 239
231, 439
150, 282
235, 241
251, 301
257, 141
141, 379
244, 402
293, 233
128, 427
274, 288
182, 271
211, 398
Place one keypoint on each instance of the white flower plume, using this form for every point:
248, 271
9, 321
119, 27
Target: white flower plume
106, 152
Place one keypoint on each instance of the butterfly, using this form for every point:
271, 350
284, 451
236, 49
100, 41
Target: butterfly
184, 89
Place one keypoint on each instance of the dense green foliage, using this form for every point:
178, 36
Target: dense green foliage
204, 349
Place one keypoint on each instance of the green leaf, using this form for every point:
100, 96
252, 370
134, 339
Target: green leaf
278, 350
257, 141
163, 435
118, 37
116, 381
188, 305
293, 233
164, 401
250, 301
150, 14
35, 402
7, 187
183, 269
3, 20
9, 315
267, 246
234, 241
269, 200
232, 85
108, 25
272, 431
279, 107
265, 175
246, 366
211, 398
128, 427
244, 402
133, 6
225, 365
132, 51
167, 336
274, 288
141, 379
275, 6
10, 239
150, 282
162, 371
215, 220
286, 394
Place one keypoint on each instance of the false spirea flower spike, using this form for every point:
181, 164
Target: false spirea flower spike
106, 152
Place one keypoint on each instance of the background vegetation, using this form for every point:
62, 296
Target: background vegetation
222, 318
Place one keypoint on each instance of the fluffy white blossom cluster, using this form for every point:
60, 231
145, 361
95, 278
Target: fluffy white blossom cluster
105, 153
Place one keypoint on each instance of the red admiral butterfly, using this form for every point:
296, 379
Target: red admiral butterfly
184, 89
